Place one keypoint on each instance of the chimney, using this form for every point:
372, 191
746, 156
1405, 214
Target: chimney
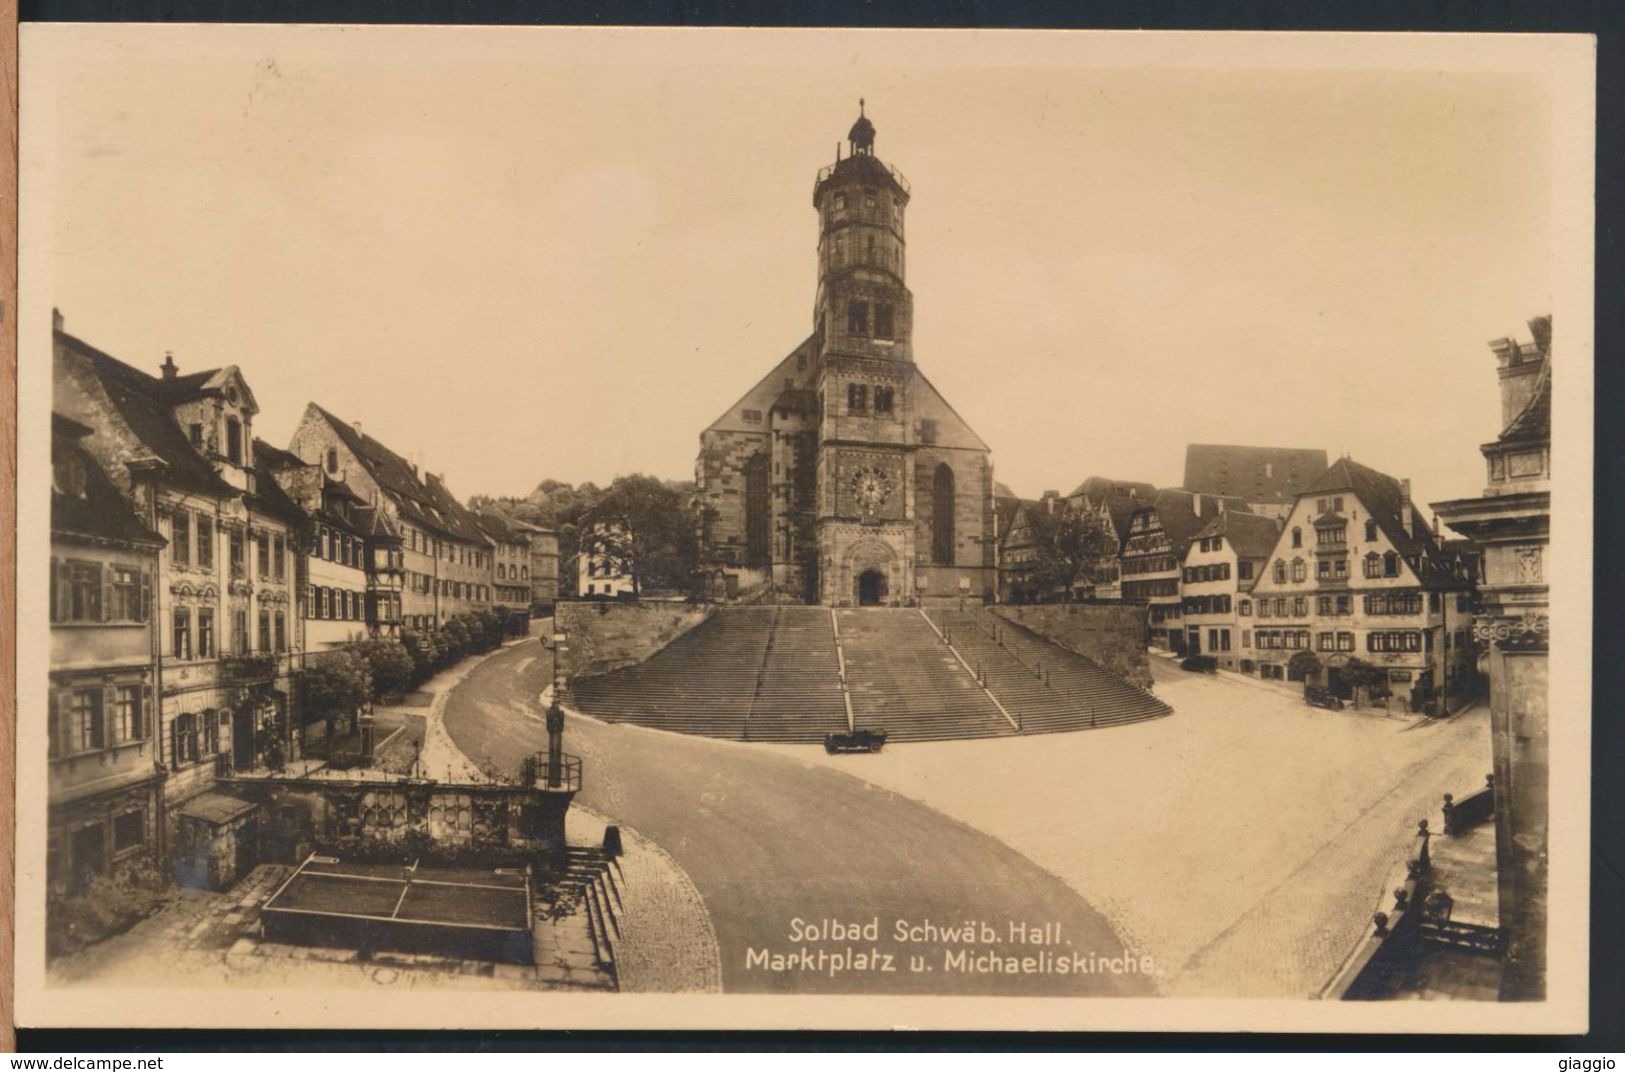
357, 426
57, 319
168, 366
1196, 503
1406, 515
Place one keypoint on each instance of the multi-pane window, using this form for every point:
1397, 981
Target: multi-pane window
234, 441
264, 548
1297, 537
281, 631
1280, 572
127, 721
1244, 571
1299, 570
1323, 570
1393, 603
1333, 534
180, 645
183, 747
1390, 565
82, 600
1370, 531
1300, 606
234, 554
124, 595
1245, 608
1396, 641
1324, 641
205, 632
205, 542
239, 627
857, 398
1340, 568
1343, 605
85, 727
180, 539
883, 397
1345, 641
1323, 605
265, 630
1373, 565
279, 551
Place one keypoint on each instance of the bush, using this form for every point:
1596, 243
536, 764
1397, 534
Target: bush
109, 905
391, 665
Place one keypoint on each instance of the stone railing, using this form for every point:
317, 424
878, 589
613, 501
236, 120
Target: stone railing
1462, 815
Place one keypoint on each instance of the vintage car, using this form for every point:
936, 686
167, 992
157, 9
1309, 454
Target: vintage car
1320, 696
856, 741
1202, 664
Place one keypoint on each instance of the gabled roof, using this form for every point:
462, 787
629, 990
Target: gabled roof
1259, 474
274, 457
1384, 499
1037, 515
424, 500
143, 405
1251, 535
100, 512
268, 497
1098, 487
1183, 514
498, 527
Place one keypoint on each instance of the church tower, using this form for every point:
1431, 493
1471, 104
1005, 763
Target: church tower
863, 330
843, 477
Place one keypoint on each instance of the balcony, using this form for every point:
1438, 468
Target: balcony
244, 669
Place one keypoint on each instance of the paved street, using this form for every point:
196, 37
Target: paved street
769, 838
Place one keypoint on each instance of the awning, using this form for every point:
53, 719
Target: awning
216, 809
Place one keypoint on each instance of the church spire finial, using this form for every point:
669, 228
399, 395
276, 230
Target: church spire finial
862, 135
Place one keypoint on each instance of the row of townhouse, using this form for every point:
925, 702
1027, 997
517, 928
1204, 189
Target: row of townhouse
1270, 552
193, 569
1350, 574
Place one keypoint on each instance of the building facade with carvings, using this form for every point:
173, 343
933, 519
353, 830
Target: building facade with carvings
843, 476
180, 448
1511, 523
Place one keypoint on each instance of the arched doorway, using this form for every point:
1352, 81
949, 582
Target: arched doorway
871, 588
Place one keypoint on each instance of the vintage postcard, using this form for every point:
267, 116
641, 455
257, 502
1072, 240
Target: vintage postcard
561, 527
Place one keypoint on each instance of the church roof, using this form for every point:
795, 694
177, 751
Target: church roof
1534, 421
1259, 474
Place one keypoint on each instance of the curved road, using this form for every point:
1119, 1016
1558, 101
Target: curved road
769, 839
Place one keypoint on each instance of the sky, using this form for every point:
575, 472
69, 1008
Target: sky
561, 254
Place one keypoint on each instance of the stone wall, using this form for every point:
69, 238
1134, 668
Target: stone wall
1112, 634
600, 637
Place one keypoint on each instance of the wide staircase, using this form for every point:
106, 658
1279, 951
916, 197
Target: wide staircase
798, 692
1048, 688
703, 682
903, 679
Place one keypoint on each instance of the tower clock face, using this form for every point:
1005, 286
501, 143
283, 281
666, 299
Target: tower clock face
871, 486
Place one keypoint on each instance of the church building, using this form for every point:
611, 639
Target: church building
843, 477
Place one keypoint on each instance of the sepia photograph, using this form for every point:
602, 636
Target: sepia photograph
563, 527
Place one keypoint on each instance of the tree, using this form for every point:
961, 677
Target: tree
420, 648
1359, 674
642, 528
336, 683
1078, 546
1303, 665
389, 662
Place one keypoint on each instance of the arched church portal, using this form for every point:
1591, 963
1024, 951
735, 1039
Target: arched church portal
871, 588
871, 573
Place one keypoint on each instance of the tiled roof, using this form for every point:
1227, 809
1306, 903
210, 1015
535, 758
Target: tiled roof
1251, 535
1183, 516
101, 513
1256, 473
1384, 499
423, 501
143, 404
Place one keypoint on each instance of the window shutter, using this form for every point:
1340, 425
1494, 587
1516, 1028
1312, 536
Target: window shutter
148, 716
107, 592
146, 596
102, 732
64, 595
53, 722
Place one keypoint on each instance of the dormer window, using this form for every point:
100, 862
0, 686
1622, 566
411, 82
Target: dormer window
332, 460
234, 441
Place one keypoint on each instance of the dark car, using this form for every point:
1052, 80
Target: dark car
1320, 696
1201, 664
856, 741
